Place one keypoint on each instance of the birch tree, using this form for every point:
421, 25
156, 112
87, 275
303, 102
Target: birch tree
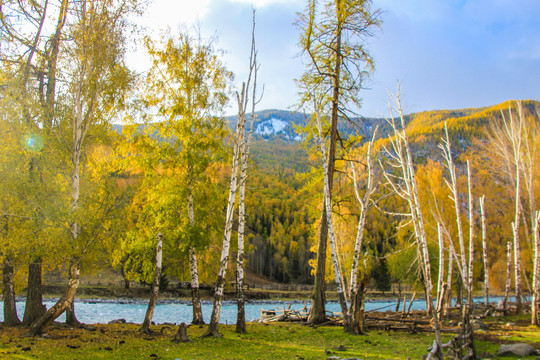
535, 302
481, 202
187, 87
465, 265
357, 284
243, 101
402, 180
333, 36
95, 69
507, 139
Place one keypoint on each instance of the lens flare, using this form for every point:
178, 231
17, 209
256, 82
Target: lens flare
33, 142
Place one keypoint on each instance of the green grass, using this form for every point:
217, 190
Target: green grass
276, 341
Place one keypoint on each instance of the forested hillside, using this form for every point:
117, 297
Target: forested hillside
285, 189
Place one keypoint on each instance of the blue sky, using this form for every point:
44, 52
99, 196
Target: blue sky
447, 54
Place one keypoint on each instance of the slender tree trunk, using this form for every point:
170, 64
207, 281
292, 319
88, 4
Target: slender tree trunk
484, 250
34, 307
195, 290
193, 269
218, 294
240, 296
409, 191
535, 304
10, 310
448, 302
508, 273
61, 305
145, 328
468, 309
440, 280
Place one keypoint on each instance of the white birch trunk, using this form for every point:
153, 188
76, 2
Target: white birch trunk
241, 313
440, 280
193, 266
364, 205
471, 238
448, 302
484, 249
409, 192
145, 328
535, 306
508, 273
517, 246
224, 259
452, 185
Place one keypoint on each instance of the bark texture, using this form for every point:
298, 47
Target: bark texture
34, 307
41, 324
145, 328
10, 310
484, 249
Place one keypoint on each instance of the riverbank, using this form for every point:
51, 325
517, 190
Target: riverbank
275, 341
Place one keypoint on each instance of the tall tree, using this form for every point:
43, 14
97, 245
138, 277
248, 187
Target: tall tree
96, 78
243, 101
404, 184
187, 85
333, 38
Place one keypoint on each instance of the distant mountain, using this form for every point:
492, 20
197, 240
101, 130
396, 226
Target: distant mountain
283, 123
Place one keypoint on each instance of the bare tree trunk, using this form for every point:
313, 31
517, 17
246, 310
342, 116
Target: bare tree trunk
193, 270
145, 328
448, 302
34, 307
440, 280
484, 249
357, 309
195, 290
240, 296
535, 305
241, 313
218, 294
508, 273
10, 309
71, 318
402, 158
468, 309
61, 305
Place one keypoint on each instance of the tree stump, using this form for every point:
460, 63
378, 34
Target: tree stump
181, 335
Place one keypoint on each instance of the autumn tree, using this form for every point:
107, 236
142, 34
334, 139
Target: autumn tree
95, 79
333, 36
187, 87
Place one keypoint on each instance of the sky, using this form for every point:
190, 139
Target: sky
446, 54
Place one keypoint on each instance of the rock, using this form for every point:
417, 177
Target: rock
510, 324
479, 325
516, 350
334, 358
117, 321
340, 348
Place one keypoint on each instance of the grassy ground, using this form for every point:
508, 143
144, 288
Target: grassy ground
276, 341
